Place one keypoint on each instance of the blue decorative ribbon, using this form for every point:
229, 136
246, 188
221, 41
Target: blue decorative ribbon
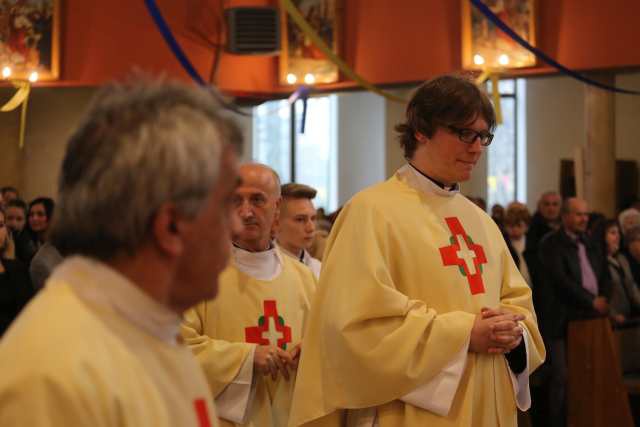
484, 9
301, 93
168, 37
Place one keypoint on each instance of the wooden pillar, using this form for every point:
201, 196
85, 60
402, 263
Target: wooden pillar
600, 147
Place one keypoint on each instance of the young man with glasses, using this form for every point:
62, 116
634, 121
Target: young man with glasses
421, 316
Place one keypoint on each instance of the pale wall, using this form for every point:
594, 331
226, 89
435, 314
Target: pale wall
628, 118
53, 116
361, 147
555, 125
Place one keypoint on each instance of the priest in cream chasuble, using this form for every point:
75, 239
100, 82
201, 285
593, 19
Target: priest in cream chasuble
421, 317
255, 325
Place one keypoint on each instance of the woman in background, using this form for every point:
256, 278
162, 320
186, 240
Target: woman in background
625, 299
15, 285
40, 214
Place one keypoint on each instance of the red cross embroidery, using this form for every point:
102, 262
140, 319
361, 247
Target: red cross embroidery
455, 254
202, 413
277, 333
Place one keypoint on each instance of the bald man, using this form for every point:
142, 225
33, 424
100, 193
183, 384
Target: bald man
576, 286
248, 339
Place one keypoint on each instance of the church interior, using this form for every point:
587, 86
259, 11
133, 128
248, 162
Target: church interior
569, 127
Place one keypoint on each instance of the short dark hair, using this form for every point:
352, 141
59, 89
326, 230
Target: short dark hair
297, 191
8, 189
18, 203
449, 100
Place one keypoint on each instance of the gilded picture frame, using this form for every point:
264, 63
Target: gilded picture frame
485, 46
299, 57
30, 38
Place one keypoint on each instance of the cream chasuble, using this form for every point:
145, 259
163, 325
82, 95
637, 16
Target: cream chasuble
264, 298
407, 268
94, 350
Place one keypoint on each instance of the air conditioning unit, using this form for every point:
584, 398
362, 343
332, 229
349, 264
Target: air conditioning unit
253, 30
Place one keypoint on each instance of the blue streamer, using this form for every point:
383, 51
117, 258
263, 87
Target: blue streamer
301, 93
484, 9
303, 122
168, 37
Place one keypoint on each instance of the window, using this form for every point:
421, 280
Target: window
506, 172
314, 152
272, 137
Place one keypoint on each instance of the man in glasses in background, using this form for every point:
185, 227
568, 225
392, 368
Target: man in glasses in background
421, 316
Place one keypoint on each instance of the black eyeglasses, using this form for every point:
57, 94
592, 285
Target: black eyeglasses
469, 136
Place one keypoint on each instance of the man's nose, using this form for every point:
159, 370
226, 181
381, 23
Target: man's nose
236, 223
310, 226
244, 209
476, 146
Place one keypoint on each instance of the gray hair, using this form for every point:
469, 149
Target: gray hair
142, 143
628, 219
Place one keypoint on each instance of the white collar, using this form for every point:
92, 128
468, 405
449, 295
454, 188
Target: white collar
416, 180
96, 282
265, 265
304, 257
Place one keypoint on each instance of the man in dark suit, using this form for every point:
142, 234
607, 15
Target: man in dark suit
545, 219
576, 286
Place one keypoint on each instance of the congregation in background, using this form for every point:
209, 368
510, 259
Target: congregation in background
562, 237
580, 265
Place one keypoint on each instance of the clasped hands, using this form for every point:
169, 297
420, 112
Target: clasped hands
495, 331
272, 360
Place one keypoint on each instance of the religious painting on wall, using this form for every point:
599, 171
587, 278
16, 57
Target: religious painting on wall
485, 46
29, 38
300, 59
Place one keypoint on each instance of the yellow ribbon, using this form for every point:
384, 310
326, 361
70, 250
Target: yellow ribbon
495, 90
21, 97
320, 44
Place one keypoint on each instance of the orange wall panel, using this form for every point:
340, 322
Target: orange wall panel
387, 41
105, 40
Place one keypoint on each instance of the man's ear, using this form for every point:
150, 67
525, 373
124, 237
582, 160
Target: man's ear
276, 217
166, 230
420, 138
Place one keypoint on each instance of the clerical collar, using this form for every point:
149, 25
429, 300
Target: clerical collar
453, 187
417, 180
99, 284
302, 256
265, 265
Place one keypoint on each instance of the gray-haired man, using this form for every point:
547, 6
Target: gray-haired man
99, 345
